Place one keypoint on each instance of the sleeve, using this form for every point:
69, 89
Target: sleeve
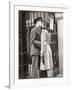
43, 42
32, 36
34, 41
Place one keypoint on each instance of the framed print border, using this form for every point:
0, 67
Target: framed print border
14, 7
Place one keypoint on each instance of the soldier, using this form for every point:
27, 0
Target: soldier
35, 39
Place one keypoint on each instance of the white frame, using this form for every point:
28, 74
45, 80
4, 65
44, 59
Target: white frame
14, 81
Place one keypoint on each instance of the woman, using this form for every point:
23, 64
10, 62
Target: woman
46, 62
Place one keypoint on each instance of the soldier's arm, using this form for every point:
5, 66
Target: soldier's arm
37, 43
33, 39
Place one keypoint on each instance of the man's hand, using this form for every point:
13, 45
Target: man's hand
37, 43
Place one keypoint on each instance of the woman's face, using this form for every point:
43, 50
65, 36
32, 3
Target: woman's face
42, 24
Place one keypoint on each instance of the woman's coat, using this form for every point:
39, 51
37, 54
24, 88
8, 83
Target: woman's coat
46, 51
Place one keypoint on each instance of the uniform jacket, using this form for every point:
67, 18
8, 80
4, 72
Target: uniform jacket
35, 40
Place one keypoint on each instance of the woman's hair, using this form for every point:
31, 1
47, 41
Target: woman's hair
47, 26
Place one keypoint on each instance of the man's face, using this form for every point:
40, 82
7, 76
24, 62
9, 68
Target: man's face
42, 24
39, 23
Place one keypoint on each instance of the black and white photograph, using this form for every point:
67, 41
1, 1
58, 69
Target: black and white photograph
36, 44
40, 44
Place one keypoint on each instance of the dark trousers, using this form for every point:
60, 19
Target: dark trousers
35, 66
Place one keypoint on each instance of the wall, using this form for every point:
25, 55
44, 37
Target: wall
59, 19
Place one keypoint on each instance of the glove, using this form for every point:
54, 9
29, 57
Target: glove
42, 58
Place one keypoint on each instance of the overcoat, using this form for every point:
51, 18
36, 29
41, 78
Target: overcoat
46, 51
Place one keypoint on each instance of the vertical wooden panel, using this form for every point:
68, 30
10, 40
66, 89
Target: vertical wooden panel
27, 28
35, 15
23, 55
38, 14
42, 14
32, 19
20, 44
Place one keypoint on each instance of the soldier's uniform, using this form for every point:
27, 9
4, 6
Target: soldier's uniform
35, 39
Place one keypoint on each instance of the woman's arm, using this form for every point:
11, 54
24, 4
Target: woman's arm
43, 42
